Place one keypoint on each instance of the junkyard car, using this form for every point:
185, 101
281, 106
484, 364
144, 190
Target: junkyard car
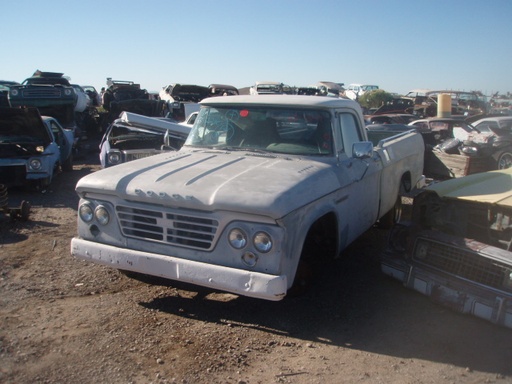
501, 128
390, 118
5, 85
182, 99
264, 188
51, 93
454, 148
269, 88
93, 95
222, 90
355, 91
462, 103
133, 136
32, 148
127, 96
457, 248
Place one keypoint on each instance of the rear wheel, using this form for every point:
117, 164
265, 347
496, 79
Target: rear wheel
504, 160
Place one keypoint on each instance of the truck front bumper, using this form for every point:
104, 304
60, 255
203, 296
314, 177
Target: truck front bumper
240, 282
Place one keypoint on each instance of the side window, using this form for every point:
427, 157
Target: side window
350, 131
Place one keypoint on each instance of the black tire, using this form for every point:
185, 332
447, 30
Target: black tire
504, 160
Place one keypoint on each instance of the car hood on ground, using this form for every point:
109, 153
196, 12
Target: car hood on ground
214, 180
493, 187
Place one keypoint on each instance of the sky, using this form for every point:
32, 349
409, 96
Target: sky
397, 45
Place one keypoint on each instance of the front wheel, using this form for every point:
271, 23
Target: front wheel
504, 160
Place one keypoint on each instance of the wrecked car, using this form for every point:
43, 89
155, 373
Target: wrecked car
222, 90
182, 99
501, 128
127, 96
32, 148
457, 247
133, 136
50, 92
390, 118
454, 148
5, 85
462, 103
269, 88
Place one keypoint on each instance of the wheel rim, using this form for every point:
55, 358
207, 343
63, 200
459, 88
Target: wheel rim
505, 161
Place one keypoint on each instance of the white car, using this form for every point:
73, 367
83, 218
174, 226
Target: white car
355, 91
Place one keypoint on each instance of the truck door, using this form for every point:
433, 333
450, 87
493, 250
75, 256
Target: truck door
359, 178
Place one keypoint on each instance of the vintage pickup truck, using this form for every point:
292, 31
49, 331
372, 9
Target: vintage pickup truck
262, 188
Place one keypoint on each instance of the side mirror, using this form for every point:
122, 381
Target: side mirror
362, 150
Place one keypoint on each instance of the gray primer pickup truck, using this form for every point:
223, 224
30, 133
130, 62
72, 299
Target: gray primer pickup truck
264, 188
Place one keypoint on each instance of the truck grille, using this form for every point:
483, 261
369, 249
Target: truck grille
51, 93
167, 227
463, 263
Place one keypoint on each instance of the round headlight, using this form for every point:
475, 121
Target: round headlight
35, 164
237, 238
14, 92
470, 150
86, 212
102, 215
262, 242
114, 158
67, 92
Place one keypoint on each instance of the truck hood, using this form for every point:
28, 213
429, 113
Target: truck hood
214, 180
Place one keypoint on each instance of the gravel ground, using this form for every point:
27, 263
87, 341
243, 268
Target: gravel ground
68, 321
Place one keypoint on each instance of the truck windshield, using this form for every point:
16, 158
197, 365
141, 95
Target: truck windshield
279, 130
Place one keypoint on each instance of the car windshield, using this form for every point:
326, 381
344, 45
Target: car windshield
277, 130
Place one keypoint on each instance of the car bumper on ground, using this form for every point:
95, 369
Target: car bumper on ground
461, 295
247, 283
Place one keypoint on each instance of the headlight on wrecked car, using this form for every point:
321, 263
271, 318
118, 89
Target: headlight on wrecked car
68, 92
507, 279
262, 242
469, 150
114, 157
14, 92
86, 212
237, 238
101, 214
35, 164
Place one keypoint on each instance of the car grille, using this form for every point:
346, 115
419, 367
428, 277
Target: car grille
13, 175
53, 93
463, 263
167, 227
129, 156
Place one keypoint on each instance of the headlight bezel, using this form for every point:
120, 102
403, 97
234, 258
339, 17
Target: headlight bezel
35, 164
114, 157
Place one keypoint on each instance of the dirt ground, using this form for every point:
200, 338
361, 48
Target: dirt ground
67, 321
